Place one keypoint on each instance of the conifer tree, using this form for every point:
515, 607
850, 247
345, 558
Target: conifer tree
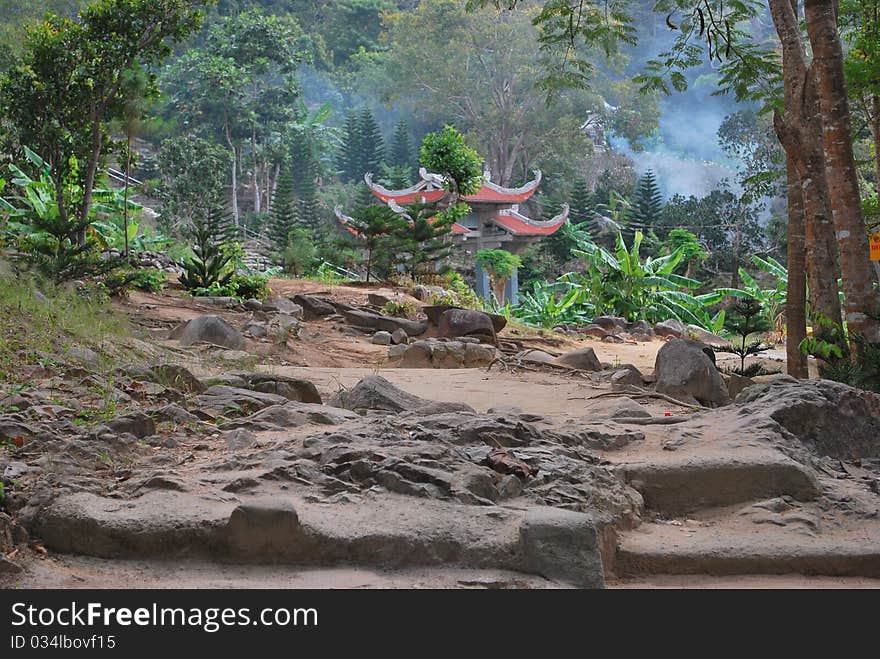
211, 263
348, 161
402, 154
284, 213
304, 167
580, 202
371, 146
647, 202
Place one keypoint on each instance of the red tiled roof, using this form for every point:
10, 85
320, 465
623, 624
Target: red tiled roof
520, 225
430, 190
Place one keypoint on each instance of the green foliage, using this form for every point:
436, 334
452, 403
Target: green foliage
446, 153
772, 300
283, 213
122, 280
580, 202
401, 154
401, 309
299, 255
379, 228
211, 266
692, 252
552, 304
195, 173
421, 241
499, 262
647, 201
745, 319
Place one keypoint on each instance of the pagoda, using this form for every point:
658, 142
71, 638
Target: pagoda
494, 222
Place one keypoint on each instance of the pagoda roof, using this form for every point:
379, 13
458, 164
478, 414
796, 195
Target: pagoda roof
431, 189
514, 222
346, 220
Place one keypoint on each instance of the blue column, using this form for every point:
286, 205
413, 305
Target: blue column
511, 289
482, 287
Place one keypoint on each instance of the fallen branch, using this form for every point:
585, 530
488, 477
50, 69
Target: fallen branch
636, 392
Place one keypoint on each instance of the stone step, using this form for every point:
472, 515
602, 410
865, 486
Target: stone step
393, 532
666, 549
684, 484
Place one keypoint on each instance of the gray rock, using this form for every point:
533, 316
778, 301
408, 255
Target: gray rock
399, 336
209, 329
138, 424
292, 415
253, 305
376, 393
510, 487
595, 331
377, 300
535, 356
699, 334
231, 400
266, 529
397, 351
173, 413
466, 322
371, 320
612, 324
238, 439
684, 371
627, 375
178, 377
256, 330
584, 359
283, 385
672, 327
564, 546
736, 383
381, 338
314, 307
83, 355
283, 305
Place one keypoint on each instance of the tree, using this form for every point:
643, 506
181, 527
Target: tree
300, 252
402, 154
647, 201
194, 176
370, 145
283, 213
744, 319
500, 265
377, 227
580, 202
348, 160
211, 264
692, 252
70, 82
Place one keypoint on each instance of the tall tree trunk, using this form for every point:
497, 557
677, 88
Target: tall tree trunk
232, 148
255, 179
125, 207
860, 299
91, 173
796, 298
800, 133
875, 129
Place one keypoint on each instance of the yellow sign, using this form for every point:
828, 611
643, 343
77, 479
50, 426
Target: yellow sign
875, 247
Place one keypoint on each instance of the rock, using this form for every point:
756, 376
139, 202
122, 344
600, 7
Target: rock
178, 377
594, 331
173, 413
229, 400
368, 319
535, 356
292, 415
830, 418
640, 327
209, 329
395, 352
432, 353
15, 470
9, 567
239, 438
736, 383
672, 327
399, 336
283, 385
138, 424
465, 322
684, 371
314, 307
376, 393
584, 360
226, 302
377, 300
627, 375
699, 334
266, 529
612, 324
510, 487
285, 306
381, 338
564, 546
83, 355
253, 305
256, 330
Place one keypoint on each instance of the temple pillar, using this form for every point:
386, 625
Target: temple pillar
511, 289
482, 287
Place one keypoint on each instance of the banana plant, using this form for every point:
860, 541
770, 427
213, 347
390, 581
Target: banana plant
771, 299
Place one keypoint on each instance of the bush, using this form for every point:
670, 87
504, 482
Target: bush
243, 287
403, 309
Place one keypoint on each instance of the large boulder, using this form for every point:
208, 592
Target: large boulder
314, 307
563, 545
831, 418
672, 327
584, 359
282, 385
376, 393
434, 314
283, 305
684, 371
371, 320
209, 329
178, 377
454, 323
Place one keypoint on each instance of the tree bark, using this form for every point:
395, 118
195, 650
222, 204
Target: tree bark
860, 299
796, 298
875, 129
91, 172
800, 133
125, 208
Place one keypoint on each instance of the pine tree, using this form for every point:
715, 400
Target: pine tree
375, 226
580, 202
402, 154
347, 160
647, 202
371, 146
284, 213
304, 167
211, 263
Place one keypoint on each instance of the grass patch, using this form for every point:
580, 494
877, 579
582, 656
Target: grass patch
38, 320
